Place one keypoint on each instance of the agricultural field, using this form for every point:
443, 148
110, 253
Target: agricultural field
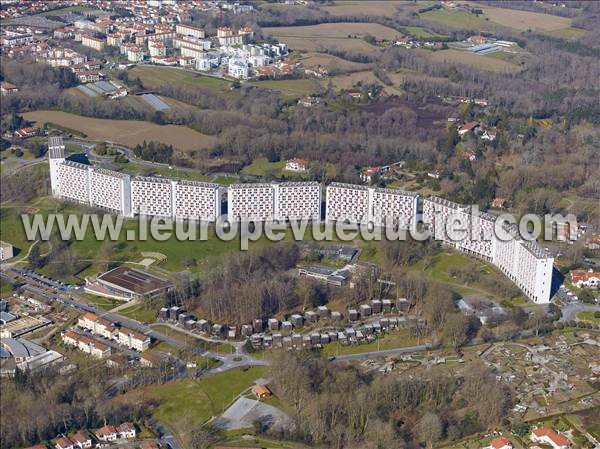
458, 19
361, 7
126, 132
489, 63
333, 36
153, 77
524, 20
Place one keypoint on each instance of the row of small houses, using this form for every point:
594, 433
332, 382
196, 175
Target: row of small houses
364, 333
176, 314
83, 440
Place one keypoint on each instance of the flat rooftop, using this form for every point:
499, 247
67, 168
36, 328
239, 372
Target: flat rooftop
133, 280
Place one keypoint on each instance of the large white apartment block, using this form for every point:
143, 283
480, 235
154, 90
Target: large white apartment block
393, 208
522, 261
151, 196
74, 181
250, 202
347, 203
362, 205
197, 200
56, 156
189, 30
446, 219
297, 201
111, 190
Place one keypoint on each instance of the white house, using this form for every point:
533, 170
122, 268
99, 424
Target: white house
106, 433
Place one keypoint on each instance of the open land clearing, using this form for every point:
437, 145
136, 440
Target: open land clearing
332, 36
483, 62
153, 77
126, 132
335, 30
330, 63
348, 81
197, 399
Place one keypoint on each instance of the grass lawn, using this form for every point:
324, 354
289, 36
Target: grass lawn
394, 339
153, 77
588, 316
262, 167
189, 340
139, 312
290, 88
103, 303
225, 180
201, 398
201, 361
160, 170
459, 19
235, 438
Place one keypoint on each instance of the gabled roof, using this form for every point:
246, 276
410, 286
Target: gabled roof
552, 435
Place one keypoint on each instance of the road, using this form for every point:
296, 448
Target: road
570, 311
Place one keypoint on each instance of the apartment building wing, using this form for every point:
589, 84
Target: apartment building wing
151, 196
86, 344
197, 200
393, 207
111, 190
133, 339
297, 201
74, 181
347, 203
189, 30
250, 202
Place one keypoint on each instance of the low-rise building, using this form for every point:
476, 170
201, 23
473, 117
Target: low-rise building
127, 430
582, 278
547, 435
107, 433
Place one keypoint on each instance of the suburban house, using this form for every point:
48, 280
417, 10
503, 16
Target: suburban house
498, 203
106, 433
64, 443
582, 278
500, 443
261, 391
469, 155
26, 132
8, 88
467, 128
547, 435
82, 440
126, 430
368, 174
296, 164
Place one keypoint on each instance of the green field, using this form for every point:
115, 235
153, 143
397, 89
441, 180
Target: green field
98, 301
201, 361
225, 180
290, 88
420, 32
589, 317
154, 77
138, 312
201, 398
458, 19
193, 341
262, 167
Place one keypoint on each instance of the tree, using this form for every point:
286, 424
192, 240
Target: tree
430, 429
34, 258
